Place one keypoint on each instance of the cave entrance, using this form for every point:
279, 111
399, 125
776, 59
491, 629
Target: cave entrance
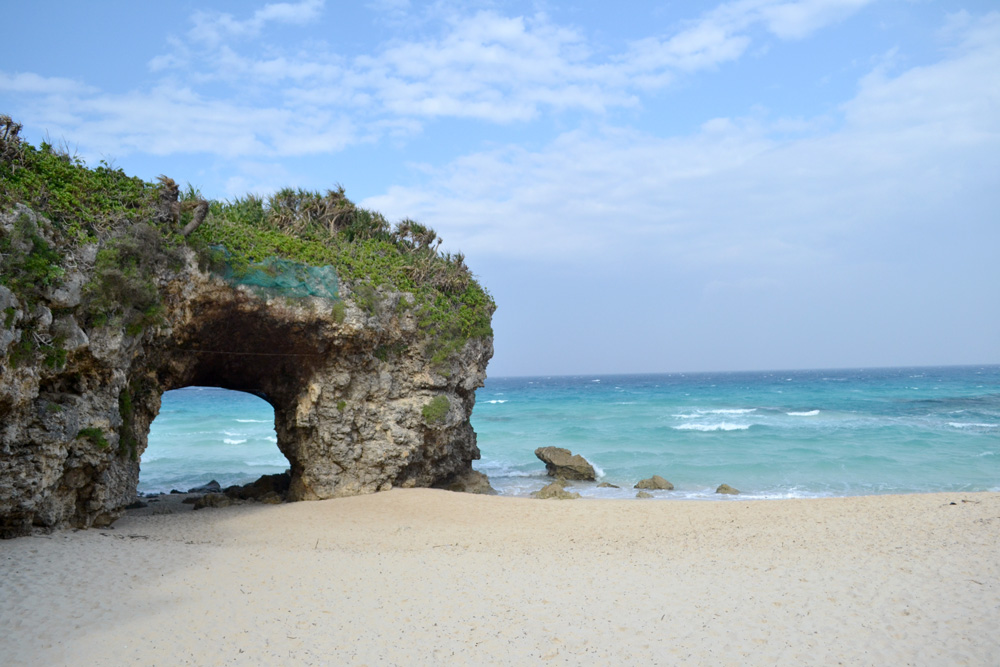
209, 433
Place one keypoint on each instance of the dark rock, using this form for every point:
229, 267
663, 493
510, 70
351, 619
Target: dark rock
211, 487
728, 490
271, 498
190, 500
277, 484
555, 491
561, 462
607, 485
212, 500
471, 481
654, 483
175, 491
137, 505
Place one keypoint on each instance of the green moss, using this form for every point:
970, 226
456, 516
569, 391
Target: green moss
9, 314
384, 352
23, 350
95, 435
28, 264
341, 405
55, 355
436, 410
339, 312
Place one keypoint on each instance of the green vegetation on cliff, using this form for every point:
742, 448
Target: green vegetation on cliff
137, 225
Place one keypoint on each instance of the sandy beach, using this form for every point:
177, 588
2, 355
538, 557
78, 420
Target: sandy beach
432, 577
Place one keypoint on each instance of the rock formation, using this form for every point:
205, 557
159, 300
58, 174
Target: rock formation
364, 397
563, 463
555, 491
727, 490
654, 483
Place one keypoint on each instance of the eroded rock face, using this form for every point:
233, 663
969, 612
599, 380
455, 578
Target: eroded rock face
348, 386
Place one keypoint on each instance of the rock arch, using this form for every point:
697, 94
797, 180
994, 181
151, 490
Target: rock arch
350, 388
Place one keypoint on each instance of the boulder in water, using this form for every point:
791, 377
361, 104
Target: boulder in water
728, 490
555, 491
654, 483
211, 487
560, 462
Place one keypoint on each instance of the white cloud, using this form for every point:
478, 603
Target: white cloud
484, 66
35, 84
795, 20
213, 27
218, 92
911, 149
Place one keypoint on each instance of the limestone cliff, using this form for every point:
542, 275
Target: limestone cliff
369, 390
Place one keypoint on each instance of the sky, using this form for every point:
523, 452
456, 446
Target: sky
642, 187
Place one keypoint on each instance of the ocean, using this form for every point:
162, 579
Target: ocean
783, 434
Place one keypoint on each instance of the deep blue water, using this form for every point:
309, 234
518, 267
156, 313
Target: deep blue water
771, 435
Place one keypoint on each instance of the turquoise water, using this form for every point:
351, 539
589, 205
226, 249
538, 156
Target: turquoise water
771, 435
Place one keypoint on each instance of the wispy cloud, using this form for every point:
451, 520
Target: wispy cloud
212, 27
225, 87
739, 192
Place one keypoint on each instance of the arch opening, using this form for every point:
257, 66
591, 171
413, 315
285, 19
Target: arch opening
206, 433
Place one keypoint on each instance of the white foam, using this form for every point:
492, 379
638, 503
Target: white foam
972, 425
729, 411
233, 442
724, 426
495, 401
811, 413
986, 454
255, 421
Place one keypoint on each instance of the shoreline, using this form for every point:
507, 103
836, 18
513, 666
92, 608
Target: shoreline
419, 575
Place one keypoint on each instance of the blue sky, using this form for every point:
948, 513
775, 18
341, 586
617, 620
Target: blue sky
757, 184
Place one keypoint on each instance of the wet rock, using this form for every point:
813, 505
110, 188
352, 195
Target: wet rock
211, 487
212, 500
271, 498
554, 491
644, 494
471, 481
607, 485
728, 490
560, 462
276, 485
654, 483
137, 505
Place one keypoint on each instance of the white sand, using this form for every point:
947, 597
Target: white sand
432, 577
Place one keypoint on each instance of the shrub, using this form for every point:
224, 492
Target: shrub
435, 411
